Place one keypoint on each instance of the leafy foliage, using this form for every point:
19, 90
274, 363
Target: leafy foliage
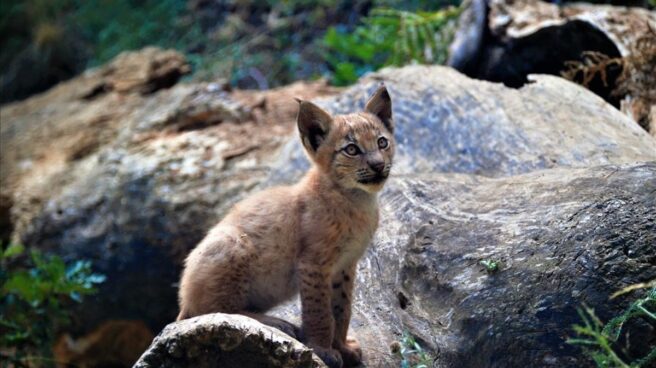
412, 354
389, 37
598, 339
490, 265
35, 295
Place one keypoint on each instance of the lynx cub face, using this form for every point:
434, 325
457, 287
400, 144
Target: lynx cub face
356, 150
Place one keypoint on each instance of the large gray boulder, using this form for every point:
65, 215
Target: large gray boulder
570, 229
563, 237
446, 122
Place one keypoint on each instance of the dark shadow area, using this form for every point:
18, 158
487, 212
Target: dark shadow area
36, 69
546, 51
6, 227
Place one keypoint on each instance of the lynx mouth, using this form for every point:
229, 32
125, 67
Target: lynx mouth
376, 179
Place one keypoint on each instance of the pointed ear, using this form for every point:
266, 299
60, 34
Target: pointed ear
313, 124
380, 104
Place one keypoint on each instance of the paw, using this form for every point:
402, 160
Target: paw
331, 357
351, 353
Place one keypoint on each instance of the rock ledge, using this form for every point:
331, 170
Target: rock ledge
225, 340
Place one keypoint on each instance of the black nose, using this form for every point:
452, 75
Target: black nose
377, 166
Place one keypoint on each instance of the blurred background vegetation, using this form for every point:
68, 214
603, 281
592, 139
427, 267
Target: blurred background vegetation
250, 44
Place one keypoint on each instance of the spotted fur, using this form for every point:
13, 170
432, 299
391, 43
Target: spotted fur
303, 238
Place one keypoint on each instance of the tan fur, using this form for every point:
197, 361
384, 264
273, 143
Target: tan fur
115, 343
306, 237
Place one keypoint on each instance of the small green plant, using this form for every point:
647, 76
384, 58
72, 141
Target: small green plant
598, 339
389, 37
491, 265
411, 353
35, 297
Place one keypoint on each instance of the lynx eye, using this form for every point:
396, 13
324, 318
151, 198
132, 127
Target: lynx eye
352, 150
383, 143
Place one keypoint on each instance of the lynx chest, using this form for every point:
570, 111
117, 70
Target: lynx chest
356, 235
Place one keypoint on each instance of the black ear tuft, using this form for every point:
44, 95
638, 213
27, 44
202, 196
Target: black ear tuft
313, 124
380, 104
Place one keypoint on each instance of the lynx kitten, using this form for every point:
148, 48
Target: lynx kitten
307, 237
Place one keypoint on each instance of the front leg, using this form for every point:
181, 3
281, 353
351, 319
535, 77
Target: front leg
342, 295
318, 322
